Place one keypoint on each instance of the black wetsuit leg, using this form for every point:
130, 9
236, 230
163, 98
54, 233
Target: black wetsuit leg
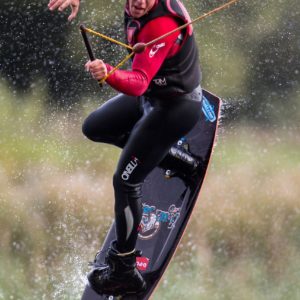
151, 136
113, 121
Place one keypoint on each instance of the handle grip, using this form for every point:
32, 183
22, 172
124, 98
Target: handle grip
88, 45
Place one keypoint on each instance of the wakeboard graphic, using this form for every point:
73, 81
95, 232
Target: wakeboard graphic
168, 200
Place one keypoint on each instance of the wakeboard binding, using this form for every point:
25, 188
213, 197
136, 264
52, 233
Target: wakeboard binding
180, 161
118, 276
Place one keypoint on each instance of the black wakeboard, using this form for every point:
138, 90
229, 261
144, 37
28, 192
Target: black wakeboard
167, 205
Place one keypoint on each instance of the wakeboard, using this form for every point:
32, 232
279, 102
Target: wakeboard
169, 197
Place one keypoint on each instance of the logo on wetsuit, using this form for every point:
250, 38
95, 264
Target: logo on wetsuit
155, 48
160, 81
130, 168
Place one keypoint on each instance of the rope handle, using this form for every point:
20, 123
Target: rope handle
88, 47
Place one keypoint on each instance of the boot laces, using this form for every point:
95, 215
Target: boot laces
96, 263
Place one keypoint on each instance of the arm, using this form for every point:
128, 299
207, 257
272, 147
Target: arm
146, 64
63, 4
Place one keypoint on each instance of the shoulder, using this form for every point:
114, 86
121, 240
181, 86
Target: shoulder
158, 27
164, 21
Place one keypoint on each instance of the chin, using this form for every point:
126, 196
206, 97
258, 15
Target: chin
138, 14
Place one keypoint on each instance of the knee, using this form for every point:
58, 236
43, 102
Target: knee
86, 128
123, 186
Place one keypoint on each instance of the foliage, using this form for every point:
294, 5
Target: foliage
55, 186
56, 203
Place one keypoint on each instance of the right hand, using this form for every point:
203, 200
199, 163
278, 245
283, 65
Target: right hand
97, 68
63, 4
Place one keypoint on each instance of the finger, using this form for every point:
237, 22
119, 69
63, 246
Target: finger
94, 68
97, 64
74, 13
51, 2
97, 70
98, 78
87, 65
64, 5
98, 75
55, 4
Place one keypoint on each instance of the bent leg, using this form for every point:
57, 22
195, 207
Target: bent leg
112, 122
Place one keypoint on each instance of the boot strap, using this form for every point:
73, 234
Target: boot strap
126, 253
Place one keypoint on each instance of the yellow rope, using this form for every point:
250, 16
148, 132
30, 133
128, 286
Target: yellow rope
117, 67
108, 38
191, 22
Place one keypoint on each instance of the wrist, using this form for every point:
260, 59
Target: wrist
109, 68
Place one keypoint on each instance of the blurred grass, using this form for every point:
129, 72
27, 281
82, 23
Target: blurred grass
56, 204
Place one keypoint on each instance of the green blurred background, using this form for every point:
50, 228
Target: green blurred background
56, 197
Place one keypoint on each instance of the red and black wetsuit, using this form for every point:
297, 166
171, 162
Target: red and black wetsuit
160, 102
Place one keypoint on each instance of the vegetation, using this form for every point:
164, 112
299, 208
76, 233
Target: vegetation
56, 205
56, 197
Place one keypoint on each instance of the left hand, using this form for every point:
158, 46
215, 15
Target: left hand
61, 5
97, 68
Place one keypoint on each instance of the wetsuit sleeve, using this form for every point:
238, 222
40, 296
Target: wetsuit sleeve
146, 64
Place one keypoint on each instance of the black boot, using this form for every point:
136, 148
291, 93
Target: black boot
119, 276
179, 161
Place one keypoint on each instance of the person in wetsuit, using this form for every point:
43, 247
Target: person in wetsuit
159, 101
